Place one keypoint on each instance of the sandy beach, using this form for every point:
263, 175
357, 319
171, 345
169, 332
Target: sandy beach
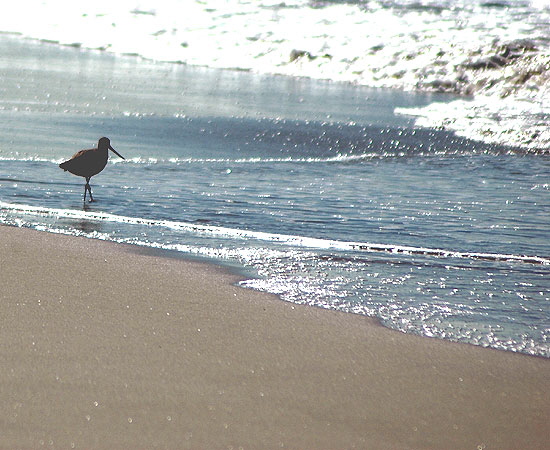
113, 346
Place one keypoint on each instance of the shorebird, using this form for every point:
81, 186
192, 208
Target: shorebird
87, 163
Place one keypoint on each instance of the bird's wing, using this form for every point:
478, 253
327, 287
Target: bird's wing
78, 161
79, 154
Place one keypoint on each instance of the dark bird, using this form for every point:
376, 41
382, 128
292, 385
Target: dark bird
87, 163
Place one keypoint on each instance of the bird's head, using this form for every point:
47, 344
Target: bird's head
104, 144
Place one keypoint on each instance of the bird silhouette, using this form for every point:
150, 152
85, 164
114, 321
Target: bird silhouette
87, 163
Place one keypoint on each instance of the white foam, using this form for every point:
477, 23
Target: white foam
286, 240
258, 160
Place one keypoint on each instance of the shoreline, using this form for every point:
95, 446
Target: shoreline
109, 347
237, 273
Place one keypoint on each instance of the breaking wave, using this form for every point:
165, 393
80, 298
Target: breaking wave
494, 54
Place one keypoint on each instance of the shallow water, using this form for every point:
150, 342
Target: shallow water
315, 188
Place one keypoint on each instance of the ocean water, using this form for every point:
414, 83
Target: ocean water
327, 193
495, 53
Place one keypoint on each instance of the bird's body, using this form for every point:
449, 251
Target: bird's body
87, 163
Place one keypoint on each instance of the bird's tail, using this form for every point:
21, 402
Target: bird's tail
63, 165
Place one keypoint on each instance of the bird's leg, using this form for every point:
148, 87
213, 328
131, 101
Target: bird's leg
89, 190
85, 191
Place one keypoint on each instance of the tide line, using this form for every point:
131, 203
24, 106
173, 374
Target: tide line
290, 240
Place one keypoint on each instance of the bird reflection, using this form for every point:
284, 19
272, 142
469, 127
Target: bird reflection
88, 226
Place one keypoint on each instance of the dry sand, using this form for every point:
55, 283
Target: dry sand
108, 346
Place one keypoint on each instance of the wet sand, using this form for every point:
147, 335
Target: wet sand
113, 346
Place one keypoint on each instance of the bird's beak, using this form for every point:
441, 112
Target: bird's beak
116, 153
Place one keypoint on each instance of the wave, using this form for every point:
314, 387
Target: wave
31, 159
392, 145
287, 240
495, 52
341, 158
289, 159
191, 160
